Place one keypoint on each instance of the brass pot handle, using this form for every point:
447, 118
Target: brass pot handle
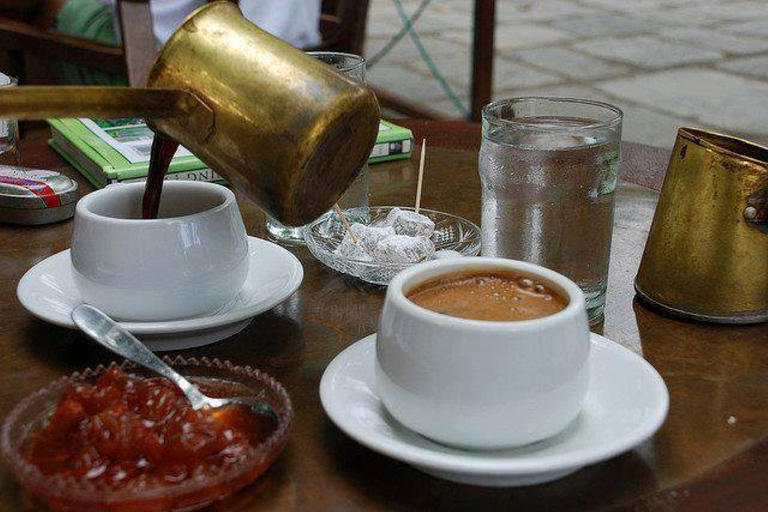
756, 210
34, 102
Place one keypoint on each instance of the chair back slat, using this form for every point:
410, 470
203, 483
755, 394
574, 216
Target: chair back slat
139, 44
20, 37
342, 25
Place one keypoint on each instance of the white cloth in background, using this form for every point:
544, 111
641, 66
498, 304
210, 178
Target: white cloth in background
294, 21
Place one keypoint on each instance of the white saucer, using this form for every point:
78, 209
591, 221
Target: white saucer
48, 291
626, 403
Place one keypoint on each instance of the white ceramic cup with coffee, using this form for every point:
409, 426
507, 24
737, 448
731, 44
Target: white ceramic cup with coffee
189, 261
482, 384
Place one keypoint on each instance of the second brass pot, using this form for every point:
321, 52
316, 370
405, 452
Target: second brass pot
706, 257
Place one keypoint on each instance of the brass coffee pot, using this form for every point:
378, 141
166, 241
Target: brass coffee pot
285, 129
707, 252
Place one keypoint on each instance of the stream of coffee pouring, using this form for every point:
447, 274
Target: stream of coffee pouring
27, 103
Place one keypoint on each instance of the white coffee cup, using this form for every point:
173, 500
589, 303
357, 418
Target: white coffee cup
482, 384
189, 261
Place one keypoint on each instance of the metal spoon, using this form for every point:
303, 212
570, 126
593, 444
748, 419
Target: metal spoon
113, 336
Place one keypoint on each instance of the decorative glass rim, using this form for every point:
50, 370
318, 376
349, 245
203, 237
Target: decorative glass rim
492, 117
71, 489
357, 62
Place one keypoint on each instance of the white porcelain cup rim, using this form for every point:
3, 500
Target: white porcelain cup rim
416, 275
85, 204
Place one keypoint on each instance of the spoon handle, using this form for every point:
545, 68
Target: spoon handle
113, 336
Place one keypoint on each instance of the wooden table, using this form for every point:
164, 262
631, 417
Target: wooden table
714, 373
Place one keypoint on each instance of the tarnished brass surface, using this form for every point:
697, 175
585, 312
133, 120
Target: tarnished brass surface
286, 130
290, 133
33, 102
707, 252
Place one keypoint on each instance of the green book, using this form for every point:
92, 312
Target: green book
393, 143
117, 150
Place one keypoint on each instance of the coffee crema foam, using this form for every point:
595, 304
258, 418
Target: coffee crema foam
498, 296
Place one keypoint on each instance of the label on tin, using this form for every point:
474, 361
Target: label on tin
35, 181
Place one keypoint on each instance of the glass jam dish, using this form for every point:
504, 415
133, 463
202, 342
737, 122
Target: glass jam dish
215, 377
324, 235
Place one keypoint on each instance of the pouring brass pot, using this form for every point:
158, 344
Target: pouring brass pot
284, 129
707, 252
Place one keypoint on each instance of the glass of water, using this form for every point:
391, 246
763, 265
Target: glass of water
548, 168
9, 131
354, 68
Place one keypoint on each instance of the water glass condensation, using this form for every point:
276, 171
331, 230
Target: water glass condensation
354, 68
548, 168
9, 131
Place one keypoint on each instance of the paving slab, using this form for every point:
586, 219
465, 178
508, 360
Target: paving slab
710, 13
378, 28
434, 21
754, 28
559, 91
755, 66
606, 25
717, 40
409, 84
518, 74
406, 51
512, 37
570, 63
649, 126
713, 98
437, 16
633, 6
517, 11
506, 73
648, 52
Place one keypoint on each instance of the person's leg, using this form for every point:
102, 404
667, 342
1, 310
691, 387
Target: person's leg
89, 19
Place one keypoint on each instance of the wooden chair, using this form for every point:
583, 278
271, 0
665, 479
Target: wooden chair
134, 57
342, 25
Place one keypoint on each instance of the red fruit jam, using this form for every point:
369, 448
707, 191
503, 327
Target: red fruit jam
129, 431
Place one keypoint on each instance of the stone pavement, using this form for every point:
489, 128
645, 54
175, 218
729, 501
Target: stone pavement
666, 63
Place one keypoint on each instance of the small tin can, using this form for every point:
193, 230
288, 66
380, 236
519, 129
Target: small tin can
33, 196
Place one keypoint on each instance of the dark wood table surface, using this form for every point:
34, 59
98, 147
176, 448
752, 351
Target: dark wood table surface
712, 452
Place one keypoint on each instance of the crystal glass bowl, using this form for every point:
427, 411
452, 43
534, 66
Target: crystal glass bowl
325, 234
60, 493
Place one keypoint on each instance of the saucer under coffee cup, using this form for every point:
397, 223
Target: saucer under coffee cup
482, 384
191, 260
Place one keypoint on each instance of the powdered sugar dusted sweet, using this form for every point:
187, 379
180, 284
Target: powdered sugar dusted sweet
410, 223
404, 249
370, 236
352, 250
